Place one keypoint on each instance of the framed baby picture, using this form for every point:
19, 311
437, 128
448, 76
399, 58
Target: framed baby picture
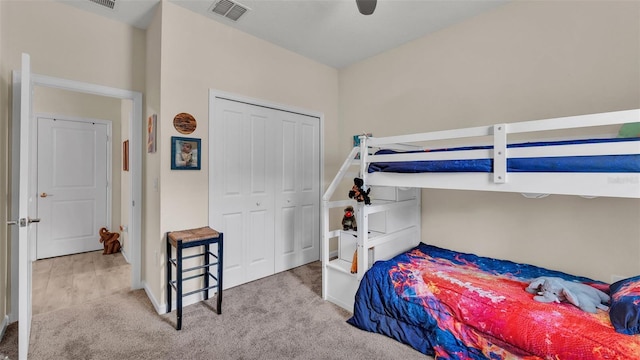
185, 153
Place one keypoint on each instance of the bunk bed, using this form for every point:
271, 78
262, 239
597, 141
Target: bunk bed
462, 306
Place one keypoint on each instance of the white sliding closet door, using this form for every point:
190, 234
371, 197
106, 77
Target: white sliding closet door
243, 197
264, 188
297, 190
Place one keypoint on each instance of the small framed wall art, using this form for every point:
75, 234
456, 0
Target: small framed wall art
185, 123
185, 153
356, 141
125, 155
152, 124
356, 138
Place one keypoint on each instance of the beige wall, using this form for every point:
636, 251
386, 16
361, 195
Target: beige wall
151, 184
219, 57
69, 43
524, 61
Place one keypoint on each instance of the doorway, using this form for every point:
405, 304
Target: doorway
133, 183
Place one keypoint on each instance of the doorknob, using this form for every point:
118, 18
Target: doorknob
44, 195
23, 222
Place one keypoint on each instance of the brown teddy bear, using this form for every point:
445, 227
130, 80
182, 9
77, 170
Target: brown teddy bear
110, 241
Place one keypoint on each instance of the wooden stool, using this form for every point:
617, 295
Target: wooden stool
184, 239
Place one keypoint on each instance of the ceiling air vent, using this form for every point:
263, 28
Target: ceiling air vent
229, 9
106, 3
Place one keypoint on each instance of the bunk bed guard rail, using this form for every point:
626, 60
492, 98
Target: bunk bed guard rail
499, 152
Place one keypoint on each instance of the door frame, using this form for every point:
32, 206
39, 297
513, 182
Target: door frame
136, 124
33, 161
218, 94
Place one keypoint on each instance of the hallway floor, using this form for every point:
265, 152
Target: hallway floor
65, 281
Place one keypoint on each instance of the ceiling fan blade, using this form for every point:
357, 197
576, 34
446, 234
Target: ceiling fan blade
366, 7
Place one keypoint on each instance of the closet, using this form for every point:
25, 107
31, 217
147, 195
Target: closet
264, 188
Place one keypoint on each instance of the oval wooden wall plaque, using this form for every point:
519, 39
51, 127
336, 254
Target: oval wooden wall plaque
185, 123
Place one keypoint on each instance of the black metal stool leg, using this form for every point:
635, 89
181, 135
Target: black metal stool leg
168, 276
207, 271
179, 285
219, 299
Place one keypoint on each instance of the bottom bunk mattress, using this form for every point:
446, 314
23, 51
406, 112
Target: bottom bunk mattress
454, 305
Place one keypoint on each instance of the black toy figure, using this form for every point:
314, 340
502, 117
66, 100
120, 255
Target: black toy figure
358, 193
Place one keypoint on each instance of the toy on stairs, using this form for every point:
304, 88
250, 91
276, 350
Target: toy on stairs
110, 241
349, 219
349, 223
354, 262
358, 193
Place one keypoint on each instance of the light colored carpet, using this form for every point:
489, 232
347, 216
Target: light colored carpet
279, 317
67, 281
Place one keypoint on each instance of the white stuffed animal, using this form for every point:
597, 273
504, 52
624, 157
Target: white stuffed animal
555, 289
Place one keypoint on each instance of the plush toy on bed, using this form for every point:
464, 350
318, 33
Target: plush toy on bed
358, 193
555, 289
349, 219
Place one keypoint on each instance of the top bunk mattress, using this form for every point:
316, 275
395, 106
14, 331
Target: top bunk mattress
625, 163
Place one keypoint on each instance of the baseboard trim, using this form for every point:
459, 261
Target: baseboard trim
152, 298
161, 308
3, 327
124, 255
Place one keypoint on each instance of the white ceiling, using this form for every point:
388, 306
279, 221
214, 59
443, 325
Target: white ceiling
331, 32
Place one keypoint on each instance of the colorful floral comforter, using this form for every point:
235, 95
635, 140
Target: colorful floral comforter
454, 305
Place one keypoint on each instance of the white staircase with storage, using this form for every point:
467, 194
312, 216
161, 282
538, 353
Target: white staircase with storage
386, 227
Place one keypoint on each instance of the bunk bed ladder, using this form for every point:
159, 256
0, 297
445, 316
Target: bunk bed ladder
327, 205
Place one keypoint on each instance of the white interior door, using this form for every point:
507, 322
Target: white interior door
242, 180
297, 190
265, 188
24, 209
72, 186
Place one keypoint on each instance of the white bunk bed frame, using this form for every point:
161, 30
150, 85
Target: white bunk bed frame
339, 289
